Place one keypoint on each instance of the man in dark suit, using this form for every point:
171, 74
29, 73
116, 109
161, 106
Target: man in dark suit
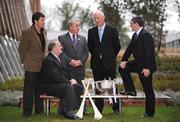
142, 49
104, 46
57, 80
32, 50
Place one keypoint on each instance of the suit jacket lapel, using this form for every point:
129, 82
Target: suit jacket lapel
139, 36
59, 65
69, 40
103, 35
46, 42
97, 35
78, 43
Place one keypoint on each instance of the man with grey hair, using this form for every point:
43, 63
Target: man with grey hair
76, 51
57, 81
104, 46
75, 47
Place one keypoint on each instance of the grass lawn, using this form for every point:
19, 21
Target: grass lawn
130, 114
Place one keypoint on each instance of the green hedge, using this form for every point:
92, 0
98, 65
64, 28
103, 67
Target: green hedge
169, 64
161, 82
14, 84
167, 76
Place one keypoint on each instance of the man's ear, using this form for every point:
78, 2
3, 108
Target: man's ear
35, 21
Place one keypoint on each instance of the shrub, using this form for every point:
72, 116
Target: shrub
14, 84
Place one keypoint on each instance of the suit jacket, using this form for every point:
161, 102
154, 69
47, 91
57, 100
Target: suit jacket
80, 53
142, 50
108, 48
30, 50
54, 71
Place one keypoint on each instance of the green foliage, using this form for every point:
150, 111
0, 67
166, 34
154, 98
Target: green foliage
129, 114
166, 81
168, 64
167, 76
14, 84
161, 82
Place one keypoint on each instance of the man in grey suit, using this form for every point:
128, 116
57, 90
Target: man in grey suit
76, 51
75, 47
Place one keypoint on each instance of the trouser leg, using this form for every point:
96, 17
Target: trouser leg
149, 93
38, 102
126, 77
30, 78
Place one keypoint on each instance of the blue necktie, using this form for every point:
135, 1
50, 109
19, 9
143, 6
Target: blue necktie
100, 32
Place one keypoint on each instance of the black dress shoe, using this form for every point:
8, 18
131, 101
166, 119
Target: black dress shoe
132, 93
62, 110
123, 93
147, 115
62, 113
72, 116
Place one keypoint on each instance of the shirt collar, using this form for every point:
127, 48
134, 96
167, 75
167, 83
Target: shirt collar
54, 55
102, 26
71, 35
139, 31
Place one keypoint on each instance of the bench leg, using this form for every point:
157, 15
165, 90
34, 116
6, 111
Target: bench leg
44, 104
120, 107
47, 107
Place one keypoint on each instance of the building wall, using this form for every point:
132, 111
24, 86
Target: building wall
173, 40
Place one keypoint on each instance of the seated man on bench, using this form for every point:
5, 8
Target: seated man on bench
56, 79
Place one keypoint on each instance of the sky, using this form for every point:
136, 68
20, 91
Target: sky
172, 25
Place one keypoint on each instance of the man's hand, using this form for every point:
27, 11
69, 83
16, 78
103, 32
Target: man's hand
123, 64
72, 62
146, 72
78, 63
73, 81
75, 63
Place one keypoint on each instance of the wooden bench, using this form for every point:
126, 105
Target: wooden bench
47, 102
48, 99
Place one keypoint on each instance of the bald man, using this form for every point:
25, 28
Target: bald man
104, 46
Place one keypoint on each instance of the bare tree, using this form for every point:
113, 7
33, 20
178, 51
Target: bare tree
66, 12
85, 17
69, 10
